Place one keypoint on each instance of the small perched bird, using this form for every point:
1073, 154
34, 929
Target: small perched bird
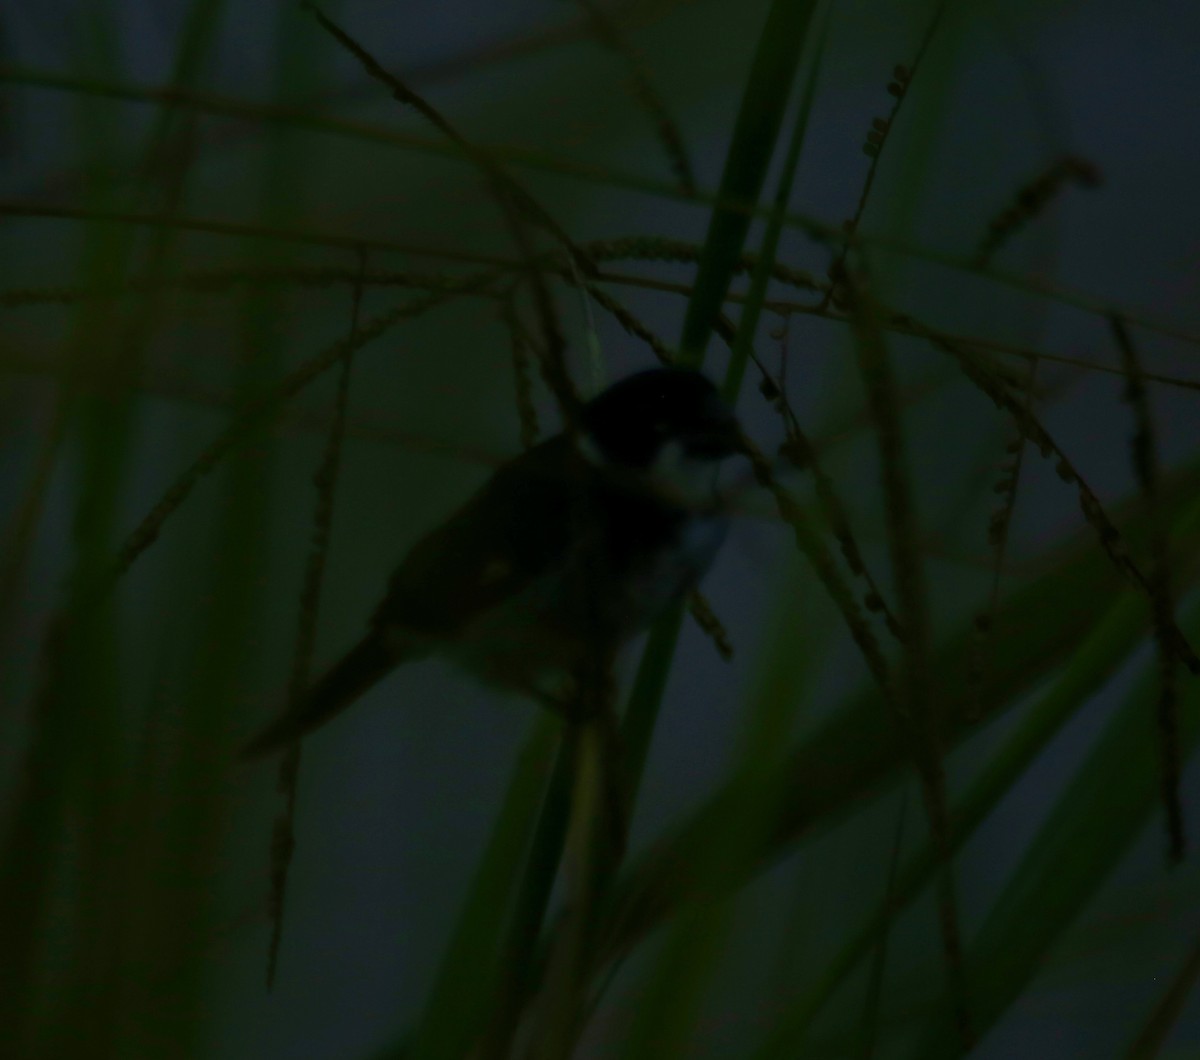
564, 554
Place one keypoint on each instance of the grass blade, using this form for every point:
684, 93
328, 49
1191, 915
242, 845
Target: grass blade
456, 1007
518, 956
917, 689
673, 996
748, 322
874, 1001
1103, 810
759, 118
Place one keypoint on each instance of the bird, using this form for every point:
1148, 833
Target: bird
563, 555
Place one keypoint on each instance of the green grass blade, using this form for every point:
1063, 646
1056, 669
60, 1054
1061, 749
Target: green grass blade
748, 322
764, 101
1103, 810
674, 994
873, 1004
645, 698
519, 955
456, 1008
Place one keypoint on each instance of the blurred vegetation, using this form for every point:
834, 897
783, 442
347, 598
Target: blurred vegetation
270, 312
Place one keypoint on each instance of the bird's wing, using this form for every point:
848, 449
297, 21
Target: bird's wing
515, 528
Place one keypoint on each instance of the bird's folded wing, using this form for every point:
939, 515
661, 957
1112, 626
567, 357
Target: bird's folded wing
518, 526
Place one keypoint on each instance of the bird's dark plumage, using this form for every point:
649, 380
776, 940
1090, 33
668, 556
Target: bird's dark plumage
566, 548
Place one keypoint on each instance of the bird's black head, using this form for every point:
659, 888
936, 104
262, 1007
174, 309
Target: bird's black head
632, 421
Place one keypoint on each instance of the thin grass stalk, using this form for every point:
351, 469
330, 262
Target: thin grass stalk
644, 93
710, 624
18, 539
283, 838
998, 536
991, 383
471, 973
876, 141
519, 951
225, 280
874, 999
648, 249
594, 845
241, 229
564, 808
796, 667
522, 376
1032, 198
507, 191
261, 410
1039, 288
917, 688
1162, 603
813, 549
631, 324
303, 118
171, 385
552, 351
178, 386
803, 453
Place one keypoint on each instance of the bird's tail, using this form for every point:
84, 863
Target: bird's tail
360, 668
